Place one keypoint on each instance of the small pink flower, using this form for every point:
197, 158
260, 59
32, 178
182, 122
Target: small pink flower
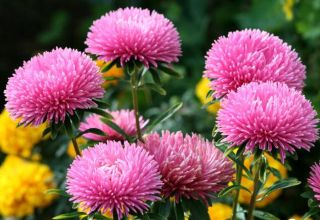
134, 33
125, 119
190, 166
116, 178
269, 116
252, 56
53, 84
314, 180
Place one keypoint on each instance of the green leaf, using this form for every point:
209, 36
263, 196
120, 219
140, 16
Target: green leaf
263, 169
116, 128
99, 112
68, 127
162, 208
69, 215
264, 215
59, 192
55, 128
169, 71
75, 120
109, 66
155, 216
155, 76
275, 172
229, 150
198, 209
161, 118
111, 78
93, 131
46, 131
307, 195
281, 184
154, 87
228, 189
101, 104
310, 213
178, 211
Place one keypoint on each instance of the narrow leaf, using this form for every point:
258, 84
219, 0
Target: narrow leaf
93, 131
264, 215
100, 112
155, 76
101, 104
154, 87
46, 131
115, 127
109, 66
229, 189
57, 192
169, 71
161, 118
69, 215
178, 211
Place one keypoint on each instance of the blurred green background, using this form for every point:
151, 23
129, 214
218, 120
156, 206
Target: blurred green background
32, 26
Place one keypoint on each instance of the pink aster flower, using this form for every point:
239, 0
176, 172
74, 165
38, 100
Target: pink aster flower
190, 166
268, 116
314, 180
252, 56
134, 33
116, 178
53, 84
125, 119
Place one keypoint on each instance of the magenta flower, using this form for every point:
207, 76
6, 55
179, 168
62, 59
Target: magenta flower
252, 56
116, 178
314, 180
125, 119
190, 166
268, 116
134, 33
53, 84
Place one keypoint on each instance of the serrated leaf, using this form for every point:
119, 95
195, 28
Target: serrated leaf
169, 71
116, 128
281, 184
161, 118
264, 215
108, 66
93, 131
229, 189
154, 87
69, 215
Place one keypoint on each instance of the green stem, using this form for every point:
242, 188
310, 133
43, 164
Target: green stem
238, 182
134, 91
76, 147
115, 215
256, 188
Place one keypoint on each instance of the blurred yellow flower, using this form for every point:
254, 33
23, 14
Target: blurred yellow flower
202, 89
219, 211
18, 141
287, 9
113, 72
298, 217
23, 184
245, 196
71, 152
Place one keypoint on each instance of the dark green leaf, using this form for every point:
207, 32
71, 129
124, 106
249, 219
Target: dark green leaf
115, 127
101, 104
75, 120
162, 208
154, 87
281, 184
155, 76
93, 131
310, 213
263, 169
109, 66
46, 131
275, 172
178, 211
264, 215
169, 71
100, 112
69, 215
167, 114
68, 127
155, 216
308, 195
197, 208
229, 189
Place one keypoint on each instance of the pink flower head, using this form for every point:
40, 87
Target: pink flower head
190, 166
268, 116
116, 178
252, 56
125, 119
53, 84
314, 180
134, 33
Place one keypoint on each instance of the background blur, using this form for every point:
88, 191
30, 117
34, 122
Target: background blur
32, 26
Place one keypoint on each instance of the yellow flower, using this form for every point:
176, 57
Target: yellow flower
202, 89
71, 152
245, 196
298, 217
287, 9
23, 185
219, 211
18, 141
113, 72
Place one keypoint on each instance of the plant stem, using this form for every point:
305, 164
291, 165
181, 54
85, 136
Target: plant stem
238, 182
134, 91
255, 191
76, 147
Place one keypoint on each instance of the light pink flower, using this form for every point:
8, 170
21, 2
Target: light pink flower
269, 116
116, 178
125, 119
190, 166
252, 56
134, 33
53, 84
314, 180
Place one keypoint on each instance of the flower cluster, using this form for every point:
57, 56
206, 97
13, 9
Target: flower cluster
23, 185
